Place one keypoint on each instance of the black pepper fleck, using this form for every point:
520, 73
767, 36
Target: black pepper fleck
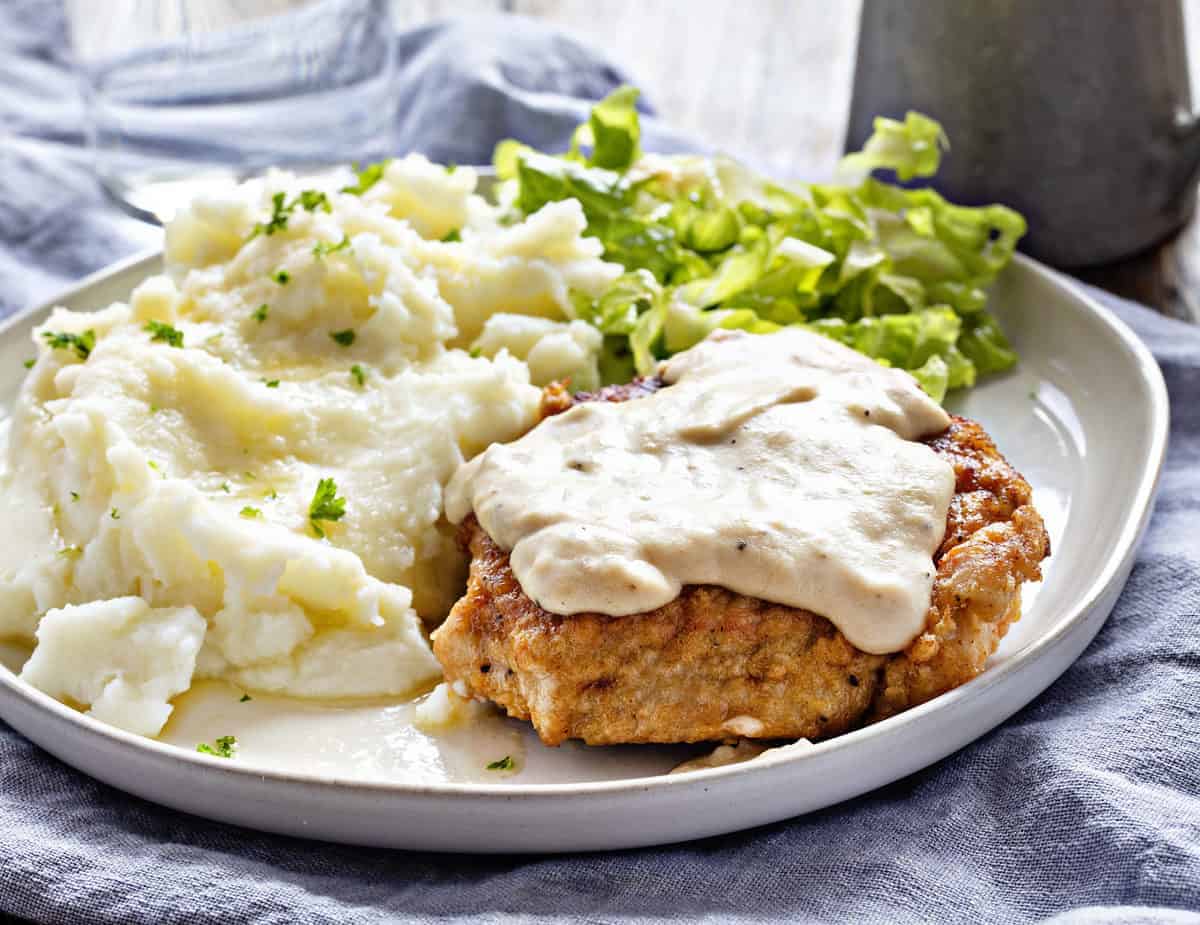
484, 669
741, 545
853, 679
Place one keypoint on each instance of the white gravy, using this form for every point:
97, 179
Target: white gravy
781, 466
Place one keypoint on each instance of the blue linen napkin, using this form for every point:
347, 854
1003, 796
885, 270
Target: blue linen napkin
1085, 806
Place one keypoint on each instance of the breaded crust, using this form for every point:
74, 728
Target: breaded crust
713, 664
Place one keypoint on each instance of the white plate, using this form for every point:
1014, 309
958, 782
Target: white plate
1084, 417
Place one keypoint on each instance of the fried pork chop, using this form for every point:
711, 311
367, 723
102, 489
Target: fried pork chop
713, 664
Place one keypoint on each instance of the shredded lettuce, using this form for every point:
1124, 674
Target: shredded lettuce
615, 131
911, 148
898, 274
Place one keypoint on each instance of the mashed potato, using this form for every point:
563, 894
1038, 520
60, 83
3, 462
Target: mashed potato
553, 350
238, 474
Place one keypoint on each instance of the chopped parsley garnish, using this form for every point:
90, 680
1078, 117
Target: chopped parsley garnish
82, 344
503, 764
70, 552
246, 698
475, 353
310, 200
367, 177
450, 168
29, 363
260, 313
345, 338
451, 236
359, 374
74, 496
152, 464
281, 276
249, 511
321, 248
271, 383
278, 220
225, 487
164, 332
114, 514
326, 505
222, 748
272, 495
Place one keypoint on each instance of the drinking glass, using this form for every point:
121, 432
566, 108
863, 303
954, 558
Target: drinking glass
184, 94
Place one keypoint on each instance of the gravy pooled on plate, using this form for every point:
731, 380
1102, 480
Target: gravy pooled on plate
781, 466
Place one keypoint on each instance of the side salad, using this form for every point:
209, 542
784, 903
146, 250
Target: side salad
898, 274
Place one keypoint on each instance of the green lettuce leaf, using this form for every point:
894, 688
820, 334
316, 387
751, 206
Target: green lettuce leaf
544, 179
933, 376
618, 309
736, 273
645, 341
616, 360
985, 345
616, 131
685, 325
912, 148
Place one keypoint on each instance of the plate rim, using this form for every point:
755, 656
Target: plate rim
1119, 558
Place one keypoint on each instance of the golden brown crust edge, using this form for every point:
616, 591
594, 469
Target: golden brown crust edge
713, 664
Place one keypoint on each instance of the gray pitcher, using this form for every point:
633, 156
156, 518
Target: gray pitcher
1076, 112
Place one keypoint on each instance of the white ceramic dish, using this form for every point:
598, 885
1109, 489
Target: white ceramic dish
1084, 417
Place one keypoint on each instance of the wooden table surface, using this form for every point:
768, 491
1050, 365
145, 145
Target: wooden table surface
771, 79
